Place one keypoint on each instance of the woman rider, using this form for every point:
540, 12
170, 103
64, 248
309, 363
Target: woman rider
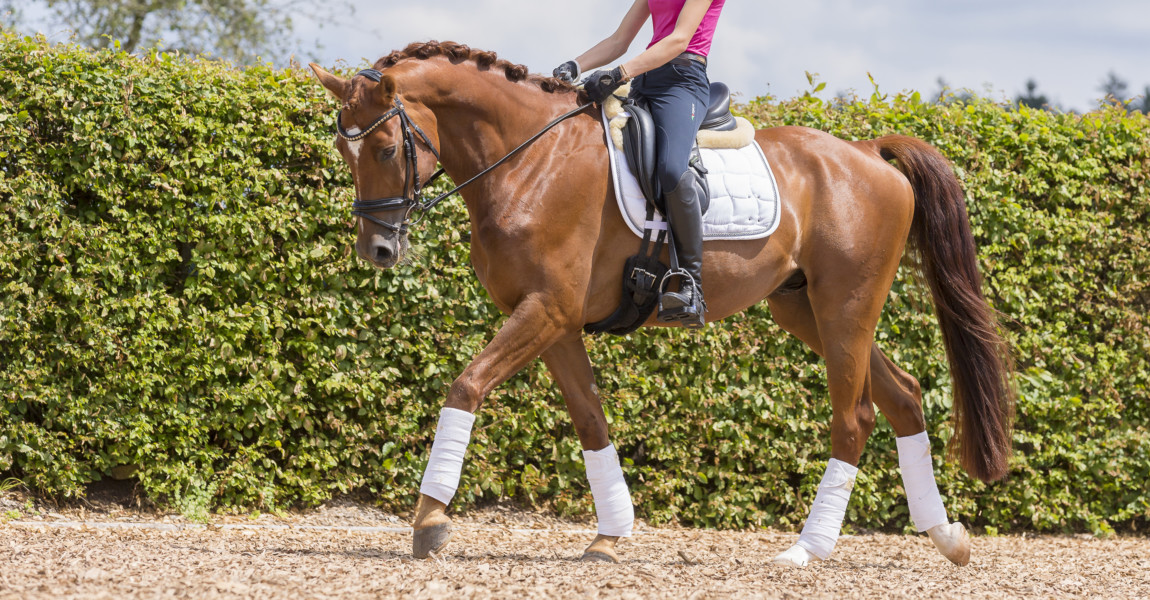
671, 76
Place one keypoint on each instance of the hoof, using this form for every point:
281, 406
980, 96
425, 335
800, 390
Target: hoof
952, 541
430, 539
795, 557
602, 549
607, 556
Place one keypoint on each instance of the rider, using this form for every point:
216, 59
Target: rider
671, 76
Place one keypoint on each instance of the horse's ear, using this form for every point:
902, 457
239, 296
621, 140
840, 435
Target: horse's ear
386, 90
335, 85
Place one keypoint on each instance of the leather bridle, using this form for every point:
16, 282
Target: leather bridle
364, 208
409, 129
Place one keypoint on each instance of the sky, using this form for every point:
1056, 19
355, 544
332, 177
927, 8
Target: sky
764, 47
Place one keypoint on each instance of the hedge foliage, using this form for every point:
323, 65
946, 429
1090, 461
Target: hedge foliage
178, 294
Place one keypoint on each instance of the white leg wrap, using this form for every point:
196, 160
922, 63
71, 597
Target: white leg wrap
821, 531
926, 509
441, 478
609, 490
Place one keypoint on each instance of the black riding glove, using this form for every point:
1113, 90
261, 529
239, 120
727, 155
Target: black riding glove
600, 84
568, 71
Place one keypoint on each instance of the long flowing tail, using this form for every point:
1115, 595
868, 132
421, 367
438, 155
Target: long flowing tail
980, 364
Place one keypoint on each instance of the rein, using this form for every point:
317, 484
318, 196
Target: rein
415, 201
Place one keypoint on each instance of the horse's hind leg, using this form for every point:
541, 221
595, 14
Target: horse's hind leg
569, 365
848, 363
898, 395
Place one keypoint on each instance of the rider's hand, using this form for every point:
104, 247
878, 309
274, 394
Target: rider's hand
600, 84
568, 71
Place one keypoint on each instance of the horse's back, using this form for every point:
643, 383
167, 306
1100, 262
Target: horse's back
836, 186
795, 151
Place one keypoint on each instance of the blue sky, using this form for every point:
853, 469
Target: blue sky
989, 46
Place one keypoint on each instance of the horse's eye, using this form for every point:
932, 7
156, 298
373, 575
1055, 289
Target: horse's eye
387, 154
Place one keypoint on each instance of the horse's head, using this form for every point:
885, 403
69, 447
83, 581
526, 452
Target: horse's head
382, 138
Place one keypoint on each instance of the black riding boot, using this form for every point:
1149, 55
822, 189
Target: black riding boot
685, 215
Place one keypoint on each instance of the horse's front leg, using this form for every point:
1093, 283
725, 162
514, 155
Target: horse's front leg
529, 331
569, 365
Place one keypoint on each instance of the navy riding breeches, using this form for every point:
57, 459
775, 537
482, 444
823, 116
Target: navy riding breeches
677, 95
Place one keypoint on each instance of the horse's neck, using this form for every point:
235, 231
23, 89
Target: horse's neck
481, 116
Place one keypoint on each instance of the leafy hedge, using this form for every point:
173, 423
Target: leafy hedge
178, 295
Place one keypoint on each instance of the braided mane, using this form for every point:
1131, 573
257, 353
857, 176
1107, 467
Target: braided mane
485, 59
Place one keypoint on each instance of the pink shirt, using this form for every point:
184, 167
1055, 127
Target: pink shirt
665, 13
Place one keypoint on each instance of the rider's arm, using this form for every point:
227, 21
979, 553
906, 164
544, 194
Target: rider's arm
673, 45
615, 46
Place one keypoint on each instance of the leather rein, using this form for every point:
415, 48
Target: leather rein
415, 201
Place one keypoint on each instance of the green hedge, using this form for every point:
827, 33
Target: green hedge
178, 293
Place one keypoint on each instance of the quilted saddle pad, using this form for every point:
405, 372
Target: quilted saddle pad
745, 202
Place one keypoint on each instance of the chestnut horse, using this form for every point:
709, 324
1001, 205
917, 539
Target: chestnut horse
549, 243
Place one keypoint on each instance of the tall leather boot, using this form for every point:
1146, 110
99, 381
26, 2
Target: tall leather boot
685, 215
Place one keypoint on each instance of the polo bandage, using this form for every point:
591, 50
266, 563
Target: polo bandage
613, 506
441, 478
821, 531
926, 509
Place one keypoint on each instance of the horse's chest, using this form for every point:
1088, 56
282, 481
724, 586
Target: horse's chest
504, 263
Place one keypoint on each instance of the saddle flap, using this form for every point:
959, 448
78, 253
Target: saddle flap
639, 146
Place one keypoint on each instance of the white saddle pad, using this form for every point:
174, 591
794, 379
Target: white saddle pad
745, 201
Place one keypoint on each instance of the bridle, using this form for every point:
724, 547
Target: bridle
364, 208
409, 129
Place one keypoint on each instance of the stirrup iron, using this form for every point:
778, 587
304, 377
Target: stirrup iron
686, 306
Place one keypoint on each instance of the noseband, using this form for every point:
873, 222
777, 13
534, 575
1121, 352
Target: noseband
364, 208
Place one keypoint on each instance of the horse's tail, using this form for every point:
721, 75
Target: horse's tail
980, 363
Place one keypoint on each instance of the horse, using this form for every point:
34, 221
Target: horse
548, 242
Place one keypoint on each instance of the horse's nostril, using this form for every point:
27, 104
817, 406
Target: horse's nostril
382, 254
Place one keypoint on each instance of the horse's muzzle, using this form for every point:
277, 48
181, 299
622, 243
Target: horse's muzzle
381, 251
